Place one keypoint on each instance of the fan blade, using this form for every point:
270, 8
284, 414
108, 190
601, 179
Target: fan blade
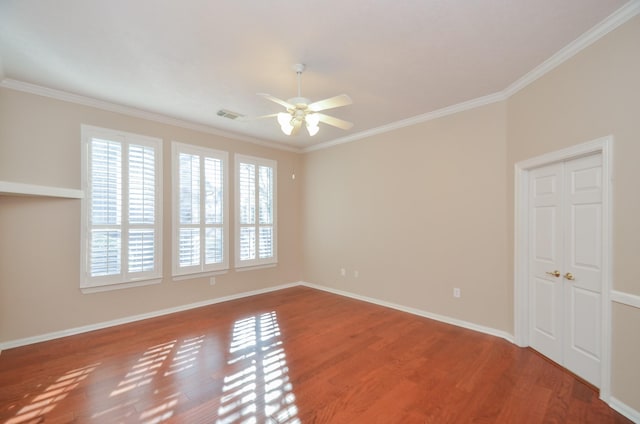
334, 121
330, 103
277, 100
255, 118
297, 123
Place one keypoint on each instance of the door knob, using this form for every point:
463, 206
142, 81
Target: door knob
569, 276
555, 273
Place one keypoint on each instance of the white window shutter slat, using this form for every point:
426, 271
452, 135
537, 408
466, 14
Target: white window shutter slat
106, 182
189, 247
189, 189
247, 243
141, 185
105, 256
141, 250
247, 183
199, 211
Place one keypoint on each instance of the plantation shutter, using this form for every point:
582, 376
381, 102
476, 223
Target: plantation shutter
265, 199
121, 230
106, 208
247, 194
213, 211
142, 209
200, 227
256, 203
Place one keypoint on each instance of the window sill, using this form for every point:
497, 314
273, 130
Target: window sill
118, 286
254, 267
198, 275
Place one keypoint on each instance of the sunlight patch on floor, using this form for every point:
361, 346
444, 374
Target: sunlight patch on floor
186, 356
54, 393
137, 386
260, 390
142, 373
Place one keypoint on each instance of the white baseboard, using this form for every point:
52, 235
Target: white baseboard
414, 311
624, 409
98, 326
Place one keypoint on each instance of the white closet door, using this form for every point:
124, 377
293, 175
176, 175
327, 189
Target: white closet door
545, 263
565, 252
583, 261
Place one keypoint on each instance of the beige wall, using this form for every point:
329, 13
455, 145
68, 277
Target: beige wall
416, 212
40, 237
596, 93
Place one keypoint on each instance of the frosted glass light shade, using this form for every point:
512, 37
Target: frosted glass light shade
312, 129
284, 119
312, 119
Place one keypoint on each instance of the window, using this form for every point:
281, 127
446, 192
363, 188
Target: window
121, 209
200, 229
256, 232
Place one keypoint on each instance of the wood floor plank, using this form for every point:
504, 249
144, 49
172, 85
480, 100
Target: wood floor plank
294, 356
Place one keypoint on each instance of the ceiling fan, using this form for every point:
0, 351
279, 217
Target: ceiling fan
300, 110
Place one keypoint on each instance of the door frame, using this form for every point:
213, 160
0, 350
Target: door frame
604, 146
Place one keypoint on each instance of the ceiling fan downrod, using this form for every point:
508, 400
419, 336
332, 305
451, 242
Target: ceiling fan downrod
299, 101
299, 68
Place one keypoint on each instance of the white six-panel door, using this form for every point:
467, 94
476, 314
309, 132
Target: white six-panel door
545, 284
565, 278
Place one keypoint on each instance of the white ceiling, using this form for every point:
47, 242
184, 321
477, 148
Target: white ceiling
189, 58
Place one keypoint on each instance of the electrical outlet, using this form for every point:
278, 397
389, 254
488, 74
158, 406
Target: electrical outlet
456, 292
343, 272
212, 281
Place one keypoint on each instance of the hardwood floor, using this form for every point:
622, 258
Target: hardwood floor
292, 356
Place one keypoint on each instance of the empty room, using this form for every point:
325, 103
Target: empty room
319, 212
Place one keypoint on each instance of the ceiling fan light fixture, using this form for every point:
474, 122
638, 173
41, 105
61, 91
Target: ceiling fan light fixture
312, 129
287, 128
300, 111
312, 119
284, 119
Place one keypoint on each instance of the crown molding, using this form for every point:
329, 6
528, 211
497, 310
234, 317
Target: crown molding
134, 112
613, 21
601, 29
449, 110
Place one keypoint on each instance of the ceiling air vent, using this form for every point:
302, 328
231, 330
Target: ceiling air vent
228, 114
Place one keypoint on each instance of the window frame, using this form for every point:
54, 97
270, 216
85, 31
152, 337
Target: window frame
124, 278
202, 269
242, 265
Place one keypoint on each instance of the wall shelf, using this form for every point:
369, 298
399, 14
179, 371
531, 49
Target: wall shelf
18, 189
